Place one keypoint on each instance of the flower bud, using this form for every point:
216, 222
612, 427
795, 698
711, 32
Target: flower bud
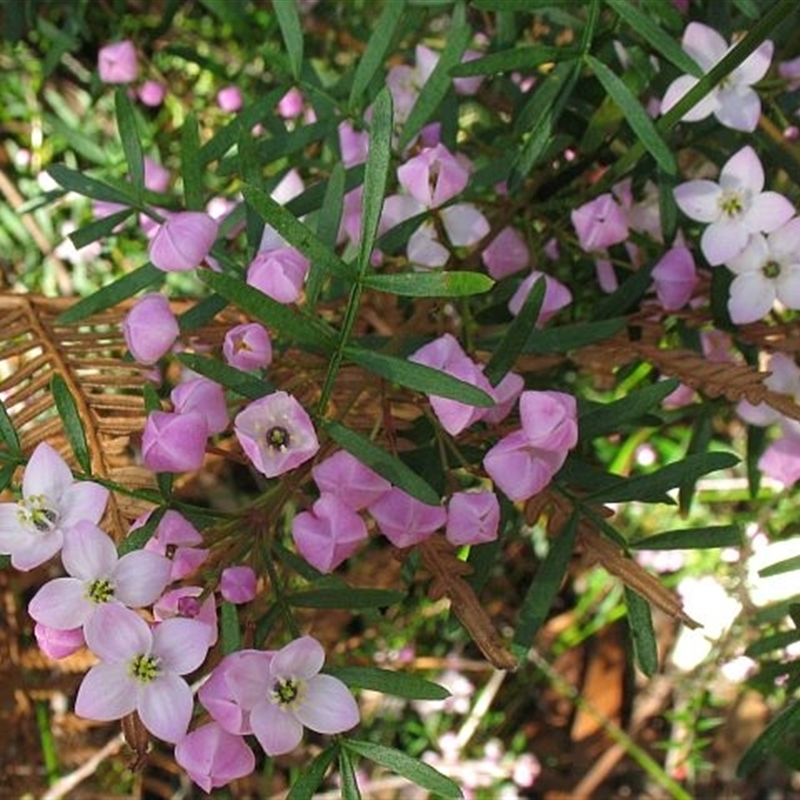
150, 328
183, 241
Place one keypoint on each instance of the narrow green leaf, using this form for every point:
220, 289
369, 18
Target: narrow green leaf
377, 47
563, 338
73, 427
636, 116
439, 81
345, 598
643, 25
391, 468
201, 313
418, 377
140, 536
348, 778
328, 222
192, 168
780, 567
303, 330
517, 333
242, 383
700, 442
99, 228
627, 296
375, 176
513, 59
6, 476
8, 432
604, 418
777, 731
399, 684
128, 133
289, 23
774, 641
230, 630
544, 587
305, 787
416, 771
295, 232
430, 284
692, 538
74, 181
108, 296
640, 621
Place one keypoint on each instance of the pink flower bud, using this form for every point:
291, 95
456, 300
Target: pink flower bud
176, 538
328, 534
353, 144
279, 273
213, 757
506, 254
156, 176
675, 278
185, 602
152, 93
229, 98
247, 346
150, 328
174, 442
183, 241
472, 518
404, 520
118, 62
238, 584
57, 644
351, 481
205, 397
433, 177
600, 223
291, 104
549, 420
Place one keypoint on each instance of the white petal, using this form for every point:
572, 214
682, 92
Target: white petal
301, 658
88, 552
36, 549
752, 297
107, 692
738, 108
788, 285
752, 258
83, 500
181, 644
699, 200
743, 170
768, 212
165, 707
116, 633
680, 87
704, 44
328, 706
141, 577
464, 224
755, 66
784, 243
46, 474
723, 241
277, 730
62, 604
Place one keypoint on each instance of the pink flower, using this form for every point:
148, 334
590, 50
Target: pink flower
733, 102
433, 177
291, 104
176, 538
556, 297
150, 328
33, 530
183, 241
734, 208
472, 518
549, 420
213, 757
238, 584
328, 534
58, 644
139, 670
404, 520
506, 254
229, 98
781, 460
174, 442
118, 62
464, 224
247, 346
343, 475
279, 273
675, 278
204, 396
186, 602
353, 144
152, 93
97, 576
505, 394
405, 82
156, 176
600, 223
784, 377
276, 433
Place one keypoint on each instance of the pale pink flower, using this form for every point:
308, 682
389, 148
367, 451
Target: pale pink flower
151, 93
118, 62
174, 442
675, 278
291, 104
238, 584
229, 98
150, 328
549, 419
343, 475
279, 273
734, 208
58, 644
96, 576
433, 177
276, 434
464, 224
140, 669
353, 144
556, 297
33, 530
328, 534
505, 395
247, 346
506, 254
784, 378
405, 82
472, 518
204, 396
733, 102
600, 223
404, 520
177, 539
186, 602
424, 249
213, 757
781, 460
183, 241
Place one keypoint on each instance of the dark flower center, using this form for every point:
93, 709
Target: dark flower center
144, 668
285, 691
101, 591
771, 269
278, 438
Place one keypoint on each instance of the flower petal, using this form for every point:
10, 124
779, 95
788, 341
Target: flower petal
46, 474
699, 200
723, 241
739, 108
62, 604
107, 692
180, 644
768, 212
277, 730
165, 707
117, 634
140, 578
743, 170
751, 297
328, 706
301, 658
88, 552
83, 500
703, 44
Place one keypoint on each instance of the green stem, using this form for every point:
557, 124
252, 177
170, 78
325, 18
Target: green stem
47, 741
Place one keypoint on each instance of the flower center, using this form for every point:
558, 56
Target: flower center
188, 607
278, 438
100, 591
240, 344
34, 512
287, 692
731, 203
144, 668
771, 269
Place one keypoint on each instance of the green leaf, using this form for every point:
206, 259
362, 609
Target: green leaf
418, 376
775, 641
108, 296
140, 536
305, 787
6, 476
780, 567
439, 81
648, 488
375, 176
514, 58
304, 330
289, 23
377, 47
131, 145
636, 116
73, 427
430, 284
328, 221
640, 621
230, 630
74, 181
511, 345
604, 418
627, 296
563, 338
346, 597
416, 771
544, 587
192, 169
385, 464
295, 232
399, 684
777, 731
348, 777
692, 538
99, 228
242, 383
8, 432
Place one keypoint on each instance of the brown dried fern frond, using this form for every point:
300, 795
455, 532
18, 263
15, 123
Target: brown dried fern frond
107, 390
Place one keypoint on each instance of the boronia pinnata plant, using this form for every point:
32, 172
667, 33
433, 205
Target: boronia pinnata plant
411, 274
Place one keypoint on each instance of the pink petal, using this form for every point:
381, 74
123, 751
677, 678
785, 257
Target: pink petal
213, 757
88, 553
328, 706
83, 501
784, 242
29, 551
680, 87
699, 200
46, 474
301, 658
277, 730
723, 241
755, 66
464, 224
106, 693
141, 577
738, 108
247, 677
768, 212
788, 286
743, 170
165, 707
61, 604
703, 44
751, 297
424, 250
181, 644
117, 634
